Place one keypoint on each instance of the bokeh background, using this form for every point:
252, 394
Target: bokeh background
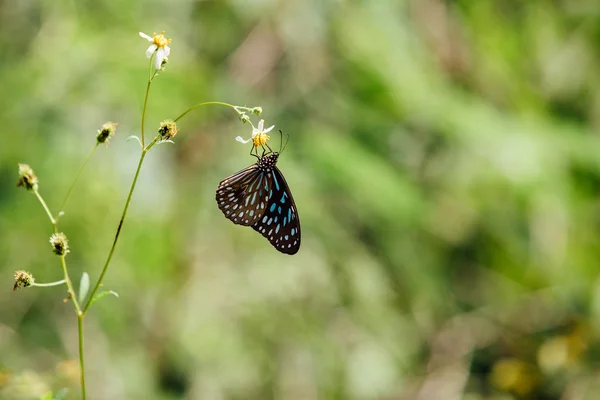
443, 155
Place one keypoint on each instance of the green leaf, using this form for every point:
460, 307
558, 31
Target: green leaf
84, 287
61, 394
103, 294
136, 138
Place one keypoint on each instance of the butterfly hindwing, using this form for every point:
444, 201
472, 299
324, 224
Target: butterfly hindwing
280, 223
242, 197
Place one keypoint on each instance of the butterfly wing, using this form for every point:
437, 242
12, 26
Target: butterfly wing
243, 196
279, 222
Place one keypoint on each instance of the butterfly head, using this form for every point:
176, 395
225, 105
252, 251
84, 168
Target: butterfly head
266, 163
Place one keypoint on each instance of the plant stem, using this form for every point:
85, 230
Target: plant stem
81, 357
52, 220
123, 215
219, 103
64, 202
63, 263
150, 79
61, 282
82, 312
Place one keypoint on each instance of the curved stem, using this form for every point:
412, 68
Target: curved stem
81, 358
206, 103
52, 220
61, 282
64, 202
123, 215
150, 79
63, 263
144, 109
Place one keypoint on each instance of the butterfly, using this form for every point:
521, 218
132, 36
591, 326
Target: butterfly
258, 196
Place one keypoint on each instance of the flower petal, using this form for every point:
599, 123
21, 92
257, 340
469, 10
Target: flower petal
261, 124
241, 140
151, 50
269, 129
160, 56
167, 51
143, 35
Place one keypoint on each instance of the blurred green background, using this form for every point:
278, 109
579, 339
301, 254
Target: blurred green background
443, 156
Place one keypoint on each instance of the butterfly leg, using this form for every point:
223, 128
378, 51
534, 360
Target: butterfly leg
252, 149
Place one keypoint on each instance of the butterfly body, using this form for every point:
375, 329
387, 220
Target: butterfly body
258, 196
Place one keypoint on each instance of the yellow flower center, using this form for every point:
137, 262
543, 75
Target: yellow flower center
260, 139
161, 40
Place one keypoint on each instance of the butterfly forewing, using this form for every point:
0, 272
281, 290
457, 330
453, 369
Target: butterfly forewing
280, 223
243, 196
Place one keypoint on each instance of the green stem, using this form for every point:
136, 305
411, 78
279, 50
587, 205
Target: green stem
206, 103
62, 281
81, 358
123, 215
144, 109
62, 206
63, 263
52, 220
150, 79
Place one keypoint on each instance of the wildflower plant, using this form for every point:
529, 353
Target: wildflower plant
88, 291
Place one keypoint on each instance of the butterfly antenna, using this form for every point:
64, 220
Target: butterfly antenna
283, 145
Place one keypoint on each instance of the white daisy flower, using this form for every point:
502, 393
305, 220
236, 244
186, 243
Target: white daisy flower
259, 135
160, 45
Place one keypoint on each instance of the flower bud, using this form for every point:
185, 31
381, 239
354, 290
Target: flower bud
60, 244
27, 178
163, 63
257, 110
168, 129
106, 132
23, 279
244, 118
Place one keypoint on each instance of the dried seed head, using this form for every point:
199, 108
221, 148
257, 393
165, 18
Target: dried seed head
27, 178
106, 132
167, 129
23, 279
60, 244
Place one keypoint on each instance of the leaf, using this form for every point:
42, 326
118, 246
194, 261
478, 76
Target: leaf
134, 137
61, 394
103, 294
47, 396
84, 287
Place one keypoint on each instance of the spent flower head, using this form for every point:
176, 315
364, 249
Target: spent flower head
27, 178
259, 135
23, 279
60, 244
106, 132
160, 45
168, 129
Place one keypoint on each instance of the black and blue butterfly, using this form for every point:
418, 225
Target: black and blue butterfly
258, 196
